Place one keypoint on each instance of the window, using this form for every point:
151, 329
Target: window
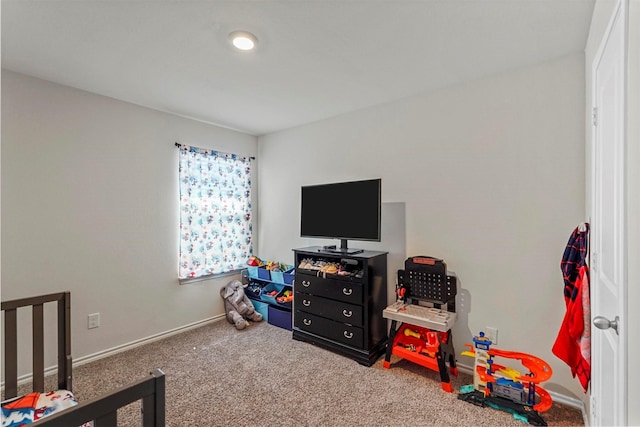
215, 212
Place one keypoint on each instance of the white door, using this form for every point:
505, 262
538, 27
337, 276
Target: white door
608, 231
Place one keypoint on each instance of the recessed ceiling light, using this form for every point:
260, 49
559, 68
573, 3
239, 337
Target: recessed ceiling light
243, 40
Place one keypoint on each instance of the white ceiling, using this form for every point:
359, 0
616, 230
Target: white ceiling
315, 58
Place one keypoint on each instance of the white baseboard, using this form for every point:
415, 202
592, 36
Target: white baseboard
124, 347
465, 369
137, 343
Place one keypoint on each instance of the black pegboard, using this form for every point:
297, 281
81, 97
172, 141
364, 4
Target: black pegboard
425, 278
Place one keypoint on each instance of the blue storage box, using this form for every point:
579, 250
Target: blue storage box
262, 308
279, 317
253, 290
288, 276
259, 273
269, 289
282, 277
281, 294
277, 276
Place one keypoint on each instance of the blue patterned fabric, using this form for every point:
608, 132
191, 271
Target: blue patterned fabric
574, 257
215, 212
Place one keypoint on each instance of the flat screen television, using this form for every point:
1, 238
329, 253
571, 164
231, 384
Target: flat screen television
342, 210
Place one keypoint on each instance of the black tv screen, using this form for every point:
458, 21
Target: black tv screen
344, 210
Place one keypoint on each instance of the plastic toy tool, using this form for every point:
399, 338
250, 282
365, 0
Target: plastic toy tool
505, 388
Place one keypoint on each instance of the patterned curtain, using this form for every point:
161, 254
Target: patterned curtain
215, 212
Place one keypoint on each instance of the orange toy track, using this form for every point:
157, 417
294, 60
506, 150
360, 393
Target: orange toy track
540, 372
545, 400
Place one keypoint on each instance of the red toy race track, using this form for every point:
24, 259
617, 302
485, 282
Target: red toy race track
505, 388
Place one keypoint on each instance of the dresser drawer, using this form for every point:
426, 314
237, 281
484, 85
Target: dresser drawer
342, 290
336, 331
342, 312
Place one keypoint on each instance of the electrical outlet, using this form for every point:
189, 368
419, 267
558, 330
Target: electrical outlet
94, 320
491, 333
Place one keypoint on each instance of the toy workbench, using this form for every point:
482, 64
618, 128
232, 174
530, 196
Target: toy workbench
422, 317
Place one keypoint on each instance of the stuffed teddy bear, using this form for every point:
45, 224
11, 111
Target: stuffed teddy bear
238, 306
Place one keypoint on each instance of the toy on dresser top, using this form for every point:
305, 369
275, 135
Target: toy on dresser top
323, 267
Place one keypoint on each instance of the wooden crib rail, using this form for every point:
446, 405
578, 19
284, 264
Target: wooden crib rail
10, 309
103, 410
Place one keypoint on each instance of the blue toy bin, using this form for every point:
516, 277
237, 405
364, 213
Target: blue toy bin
253, 290
282, 277
277, 276
288, 276
262, 308
269, 288
279, 317
259, 273
280, 294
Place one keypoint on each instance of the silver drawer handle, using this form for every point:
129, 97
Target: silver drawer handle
346, 313
348, 334
347, 291
306, 322
306, 303
305, 283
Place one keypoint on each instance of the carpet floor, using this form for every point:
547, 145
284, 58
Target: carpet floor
218, 376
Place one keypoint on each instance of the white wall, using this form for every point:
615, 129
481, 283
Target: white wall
492, 177
89, 204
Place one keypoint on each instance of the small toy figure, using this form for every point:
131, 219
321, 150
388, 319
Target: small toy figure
254, 261
238, 306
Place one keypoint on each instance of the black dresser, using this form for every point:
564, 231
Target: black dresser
338, 302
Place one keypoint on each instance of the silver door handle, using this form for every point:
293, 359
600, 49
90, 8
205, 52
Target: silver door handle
347, 291
348, 335
604, 323
347, 313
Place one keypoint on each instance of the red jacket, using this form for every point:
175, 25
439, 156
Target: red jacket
574, 339
573, 344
